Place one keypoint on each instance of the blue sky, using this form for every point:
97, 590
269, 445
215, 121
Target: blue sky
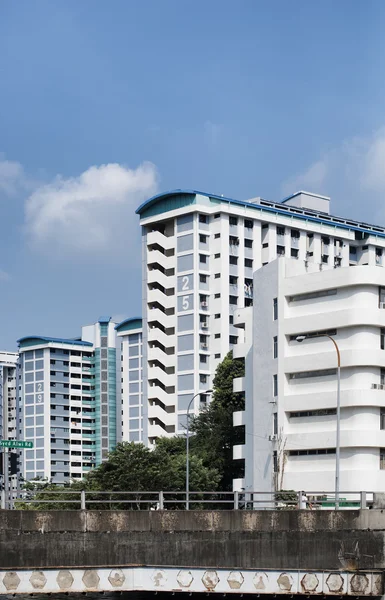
103, 104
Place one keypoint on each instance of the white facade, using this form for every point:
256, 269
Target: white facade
200, 253
291, 387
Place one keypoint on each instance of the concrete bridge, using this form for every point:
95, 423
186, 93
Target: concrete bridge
323, 553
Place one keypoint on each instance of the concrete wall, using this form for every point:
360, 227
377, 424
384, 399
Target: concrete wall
224, 539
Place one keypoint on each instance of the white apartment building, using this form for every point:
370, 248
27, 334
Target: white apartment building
200, 253
68, 395
291, 388
130, 379
10, 417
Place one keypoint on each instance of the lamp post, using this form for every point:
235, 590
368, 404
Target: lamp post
188, 447
301, 338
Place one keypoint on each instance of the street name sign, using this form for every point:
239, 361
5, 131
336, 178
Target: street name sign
15, 444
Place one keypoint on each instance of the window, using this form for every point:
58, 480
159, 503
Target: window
275, 347
233, 299
382, 458
275, 461
231, 319
280, 231
233, 220
217, 276
203, 219
382, 418
295, 234
325, 258
217, 235
233, 339
203, 258
217, 255
203, 238
281, 250
248, 263
275, 386
216, 296
203, 378
325, 240
217, 316
294, 253
313, 413
203, 278
233, 260
275, 309
233, 280
352, 250
306, 374
203, 358
311, 295
217, 215
217, 356
248, 243
382, 339
314, 334
275, 423
217, 336
265, 245
248, 224
310, 452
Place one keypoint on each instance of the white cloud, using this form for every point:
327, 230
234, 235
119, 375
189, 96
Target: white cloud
353, 174
91, 212
11, 176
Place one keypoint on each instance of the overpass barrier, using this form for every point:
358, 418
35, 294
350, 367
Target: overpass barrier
177, 500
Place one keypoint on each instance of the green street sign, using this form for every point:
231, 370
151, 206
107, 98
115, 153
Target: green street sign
15, 444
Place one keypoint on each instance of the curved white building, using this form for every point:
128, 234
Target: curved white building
291, 387
200, 252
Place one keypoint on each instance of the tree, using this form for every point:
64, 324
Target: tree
215, 434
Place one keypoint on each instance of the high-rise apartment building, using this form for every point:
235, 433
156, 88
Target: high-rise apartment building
68, 395
291, 388
200, 252
10, 415
130, 379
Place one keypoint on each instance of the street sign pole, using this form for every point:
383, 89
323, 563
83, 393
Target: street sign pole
6, 477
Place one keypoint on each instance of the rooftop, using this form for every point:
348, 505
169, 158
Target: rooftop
266, 206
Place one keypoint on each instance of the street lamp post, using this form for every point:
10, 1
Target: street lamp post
188, 446
301, 338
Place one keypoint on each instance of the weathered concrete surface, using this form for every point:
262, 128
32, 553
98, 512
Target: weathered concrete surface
320, 540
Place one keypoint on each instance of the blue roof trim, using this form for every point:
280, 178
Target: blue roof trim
54, 340
273, 207
104, 319
126, 321
154, 199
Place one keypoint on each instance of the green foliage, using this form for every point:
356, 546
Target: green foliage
215, 435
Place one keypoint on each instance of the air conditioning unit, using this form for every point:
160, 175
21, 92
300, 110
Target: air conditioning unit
272, 438
382, 304
204, 304
204, 346
204, 325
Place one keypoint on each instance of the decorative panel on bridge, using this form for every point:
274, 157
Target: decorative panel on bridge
222, 581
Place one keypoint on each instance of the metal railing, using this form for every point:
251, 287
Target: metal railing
143, 500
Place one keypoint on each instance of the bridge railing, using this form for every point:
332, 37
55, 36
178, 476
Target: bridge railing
177, 500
